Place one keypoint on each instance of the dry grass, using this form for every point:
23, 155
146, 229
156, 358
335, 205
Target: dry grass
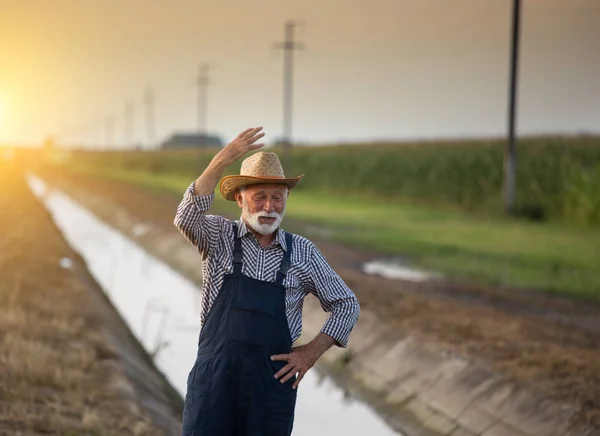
58, 375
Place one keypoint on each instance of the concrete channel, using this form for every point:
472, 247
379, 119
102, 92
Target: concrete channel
161, 308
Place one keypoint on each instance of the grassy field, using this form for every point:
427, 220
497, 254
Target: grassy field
549, 256
557, 178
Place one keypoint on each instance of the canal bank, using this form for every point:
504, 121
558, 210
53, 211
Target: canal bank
68, 364
421, 387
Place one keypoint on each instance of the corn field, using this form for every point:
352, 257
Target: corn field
557, 178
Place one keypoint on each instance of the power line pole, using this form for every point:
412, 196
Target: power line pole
128, 126
110, 126
510, 157
150, 120
288, 46
202, 83
96, 133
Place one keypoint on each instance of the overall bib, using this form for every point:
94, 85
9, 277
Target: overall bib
231, 389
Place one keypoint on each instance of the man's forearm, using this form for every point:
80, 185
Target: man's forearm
321, 343
207, 182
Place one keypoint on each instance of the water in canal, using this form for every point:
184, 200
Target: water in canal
162, 310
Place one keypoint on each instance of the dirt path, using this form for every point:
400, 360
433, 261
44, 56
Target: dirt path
67, 363
547, 343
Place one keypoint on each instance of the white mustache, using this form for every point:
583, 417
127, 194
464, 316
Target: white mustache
268, 215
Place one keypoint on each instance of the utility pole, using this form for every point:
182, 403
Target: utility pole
510, 157
150, 120
96, 133
128, 126
288, 46
202, 83
110, 126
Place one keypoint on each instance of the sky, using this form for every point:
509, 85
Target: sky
370, 70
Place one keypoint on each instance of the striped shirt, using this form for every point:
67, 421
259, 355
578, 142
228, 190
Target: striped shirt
309, 272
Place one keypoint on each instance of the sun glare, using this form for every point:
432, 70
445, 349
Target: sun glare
3, 109
4, 117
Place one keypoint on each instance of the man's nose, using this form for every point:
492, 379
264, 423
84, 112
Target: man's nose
269, 206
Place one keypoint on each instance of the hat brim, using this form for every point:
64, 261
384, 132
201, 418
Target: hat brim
230, 184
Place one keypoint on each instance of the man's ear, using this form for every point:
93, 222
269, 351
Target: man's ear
238, 198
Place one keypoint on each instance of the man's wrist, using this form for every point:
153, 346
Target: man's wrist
321, 343
218, 164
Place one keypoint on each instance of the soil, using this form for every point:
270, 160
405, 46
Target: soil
65, 356
547, 343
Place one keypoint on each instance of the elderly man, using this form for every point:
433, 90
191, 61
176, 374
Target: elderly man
255, 278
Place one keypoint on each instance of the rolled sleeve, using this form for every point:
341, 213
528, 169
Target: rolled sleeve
202, 202
193, 222
335, 297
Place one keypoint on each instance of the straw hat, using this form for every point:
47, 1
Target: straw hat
261, 167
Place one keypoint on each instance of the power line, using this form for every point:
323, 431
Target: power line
288, 46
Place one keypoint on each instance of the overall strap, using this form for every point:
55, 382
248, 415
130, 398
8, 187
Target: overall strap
237, 251
285, 263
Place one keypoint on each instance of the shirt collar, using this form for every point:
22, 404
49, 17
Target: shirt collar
243, 230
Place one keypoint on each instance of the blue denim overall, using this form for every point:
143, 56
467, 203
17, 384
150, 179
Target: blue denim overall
231, 389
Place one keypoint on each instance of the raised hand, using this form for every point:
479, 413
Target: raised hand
242, 144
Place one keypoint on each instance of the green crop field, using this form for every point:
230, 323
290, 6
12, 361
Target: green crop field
557, 178
439, 204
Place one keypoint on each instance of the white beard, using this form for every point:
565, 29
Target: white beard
252, 219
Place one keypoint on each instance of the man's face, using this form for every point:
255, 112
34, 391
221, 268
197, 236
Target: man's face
263, 206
